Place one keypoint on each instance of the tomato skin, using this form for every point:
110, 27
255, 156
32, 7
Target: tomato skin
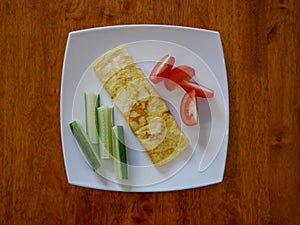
188, 109
177, 75
200, 90
162, 69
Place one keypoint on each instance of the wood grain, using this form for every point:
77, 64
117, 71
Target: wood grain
261, 47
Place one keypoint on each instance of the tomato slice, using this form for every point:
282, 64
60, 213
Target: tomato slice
200, 90
162, 68
188, 109
177, 75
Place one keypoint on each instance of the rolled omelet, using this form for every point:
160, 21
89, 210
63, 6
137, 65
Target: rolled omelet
143, 108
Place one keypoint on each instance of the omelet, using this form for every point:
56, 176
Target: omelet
143, 108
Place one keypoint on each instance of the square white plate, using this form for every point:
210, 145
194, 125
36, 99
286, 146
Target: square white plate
204, 162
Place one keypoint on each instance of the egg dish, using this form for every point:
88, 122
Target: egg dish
143, 108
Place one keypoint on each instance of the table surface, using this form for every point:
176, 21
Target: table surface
261, 180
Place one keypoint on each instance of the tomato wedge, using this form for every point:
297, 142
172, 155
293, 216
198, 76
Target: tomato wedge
200, 90
162, 68
188, 109
177, 75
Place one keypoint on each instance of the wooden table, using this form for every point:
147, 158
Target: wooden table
261, 47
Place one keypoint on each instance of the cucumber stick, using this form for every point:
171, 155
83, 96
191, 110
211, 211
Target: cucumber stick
119, 152
85, 145
105, 123
91, 105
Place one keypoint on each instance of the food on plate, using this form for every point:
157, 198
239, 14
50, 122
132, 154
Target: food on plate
178, 74
91, 101
111, 143
119, 152
85, 145
105, 124
140, 104
200, 90
181, 76
188, 109
162, 69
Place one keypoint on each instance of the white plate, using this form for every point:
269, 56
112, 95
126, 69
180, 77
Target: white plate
204, 161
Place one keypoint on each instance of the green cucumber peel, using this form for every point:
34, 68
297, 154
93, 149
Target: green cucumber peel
85, 145
119, 153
